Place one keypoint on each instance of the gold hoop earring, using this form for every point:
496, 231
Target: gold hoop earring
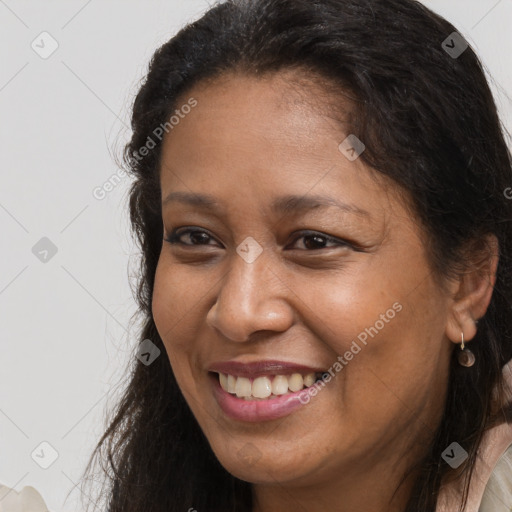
465, 356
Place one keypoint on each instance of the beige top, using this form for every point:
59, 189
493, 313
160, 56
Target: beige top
498, 493
490, 489
27, 500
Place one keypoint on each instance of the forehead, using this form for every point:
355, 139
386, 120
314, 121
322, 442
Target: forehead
245, 114
263, 137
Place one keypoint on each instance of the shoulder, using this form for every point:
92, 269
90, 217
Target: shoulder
497, 496
491, 481
27, 500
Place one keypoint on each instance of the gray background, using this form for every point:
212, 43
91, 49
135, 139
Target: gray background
64, 321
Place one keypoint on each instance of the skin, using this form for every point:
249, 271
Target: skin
248, 141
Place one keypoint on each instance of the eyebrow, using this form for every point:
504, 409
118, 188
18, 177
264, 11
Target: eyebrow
282, 205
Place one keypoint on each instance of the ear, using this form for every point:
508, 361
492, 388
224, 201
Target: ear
472, 290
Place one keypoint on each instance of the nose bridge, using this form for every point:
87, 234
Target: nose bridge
251, 298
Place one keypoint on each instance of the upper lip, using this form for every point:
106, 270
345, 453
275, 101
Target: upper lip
262, 367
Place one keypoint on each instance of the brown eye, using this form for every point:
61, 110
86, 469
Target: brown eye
195, 236
314, 241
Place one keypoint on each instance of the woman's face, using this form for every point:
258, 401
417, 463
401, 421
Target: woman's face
299, 263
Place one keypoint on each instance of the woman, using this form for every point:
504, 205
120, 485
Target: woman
326, 274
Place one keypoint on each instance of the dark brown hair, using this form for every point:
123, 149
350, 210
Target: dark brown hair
429, 122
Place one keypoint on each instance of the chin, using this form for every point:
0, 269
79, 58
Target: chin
261, 462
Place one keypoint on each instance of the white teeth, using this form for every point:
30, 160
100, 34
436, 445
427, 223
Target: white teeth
309, 380
295, 382
264, 387
261, 387
243, 387
223, 378
280, 385
231, 384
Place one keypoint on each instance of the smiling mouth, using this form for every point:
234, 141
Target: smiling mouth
266, 387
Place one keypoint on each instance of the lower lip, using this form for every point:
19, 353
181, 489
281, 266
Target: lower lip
258, 410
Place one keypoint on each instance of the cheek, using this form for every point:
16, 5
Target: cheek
167, 311
163, 296
349, 306
386, 321
171, 307
175, 303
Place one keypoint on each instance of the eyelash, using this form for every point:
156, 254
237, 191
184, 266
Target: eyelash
174, 238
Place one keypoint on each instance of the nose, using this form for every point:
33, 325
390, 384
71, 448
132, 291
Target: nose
252, 298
